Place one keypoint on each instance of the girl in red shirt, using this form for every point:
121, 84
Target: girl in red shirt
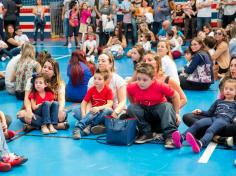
43, 104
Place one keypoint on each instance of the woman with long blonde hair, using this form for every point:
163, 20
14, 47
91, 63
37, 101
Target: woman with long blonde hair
24, 69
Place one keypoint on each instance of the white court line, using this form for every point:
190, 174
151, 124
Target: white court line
52, 46
61, 57
207, 153
58, 58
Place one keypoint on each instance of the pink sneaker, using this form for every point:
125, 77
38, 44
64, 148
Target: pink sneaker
176, 137
193, 142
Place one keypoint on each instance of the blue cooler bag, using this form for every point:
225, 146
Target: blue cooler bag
120, 132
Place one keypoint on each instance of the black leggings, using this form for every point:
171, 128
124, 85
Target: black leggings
187, 85
2, 83
189, 119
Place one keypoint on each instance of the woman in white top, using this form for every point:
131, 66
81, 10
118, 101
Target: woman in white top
168, 64
115, 82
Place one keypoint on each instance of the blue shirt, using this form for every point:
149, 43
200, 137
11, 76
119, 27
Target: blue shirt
163, 32
77, 92
222, 108
165, 10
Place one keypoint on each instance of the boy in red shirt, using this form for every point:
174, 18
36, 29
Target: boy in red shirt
101, 98
148, 103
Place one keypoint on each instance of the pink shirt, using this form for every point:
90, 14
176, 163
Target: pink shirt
85, 14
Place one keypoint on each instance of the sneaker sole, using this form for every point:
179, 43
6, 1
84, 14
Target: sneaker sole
191, 140
143, 141
5, 168
176, 137
230, 142
98, 129
75, 137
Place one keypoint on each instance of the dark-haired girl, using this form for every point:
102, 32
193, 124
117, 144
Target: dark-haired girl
43, 104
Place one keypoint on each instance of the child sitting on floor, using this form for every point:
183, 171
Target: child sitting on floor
20, 37
9, 134
220, 114
89, 47
43, 104
101, 97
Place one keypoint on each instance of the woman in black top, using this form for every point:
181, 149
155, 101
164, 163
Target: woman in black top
13, 45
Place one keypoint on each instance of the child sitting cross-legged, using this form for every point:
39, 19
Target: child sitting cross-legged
43, 104
5, 122
101, 97
220, 114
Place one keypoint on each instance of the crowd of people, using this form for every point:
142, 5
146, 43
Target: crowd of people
159, 29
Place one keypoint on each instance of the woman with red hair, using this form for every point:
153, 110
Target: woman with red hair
79, 72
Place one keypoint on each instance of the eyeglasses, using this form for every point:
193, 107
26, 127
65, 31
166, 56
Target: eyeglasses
218, 33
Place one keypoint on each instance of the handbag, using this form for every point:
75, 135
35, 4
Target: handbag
178, 20
109, 26
202, 74
149, 18
120, 131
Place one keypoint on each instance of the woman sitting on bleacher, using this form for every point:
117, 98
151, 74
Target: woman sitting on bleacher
79, 72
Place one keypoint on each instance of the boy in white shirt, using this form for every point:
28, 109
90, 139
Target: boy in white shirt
20, 37
90, 47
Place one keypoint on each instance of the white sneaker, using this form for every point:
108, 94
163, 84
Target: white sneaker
69, 45
230, 141
3, 58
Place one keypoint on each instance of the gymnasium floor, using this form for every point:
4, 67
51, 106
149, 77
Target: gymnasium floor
60, 155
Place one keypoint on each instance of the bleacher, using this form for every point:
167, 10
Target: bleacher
54, 26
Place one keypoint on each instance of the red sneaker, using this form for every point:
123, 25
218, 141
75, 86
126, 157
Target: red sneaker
14, 160
18, 161
10, 134
4, 167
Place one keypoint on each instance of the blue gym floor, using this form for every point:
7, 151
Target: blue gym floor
58, 155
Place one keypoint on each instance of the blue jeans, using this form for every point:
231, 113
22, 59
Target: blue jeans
3, 145
146, 115
215, 124
134, 30
38, 26
2, 34
66, 27
201, 21
49, 112
14, 52
92, 119
156, 27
